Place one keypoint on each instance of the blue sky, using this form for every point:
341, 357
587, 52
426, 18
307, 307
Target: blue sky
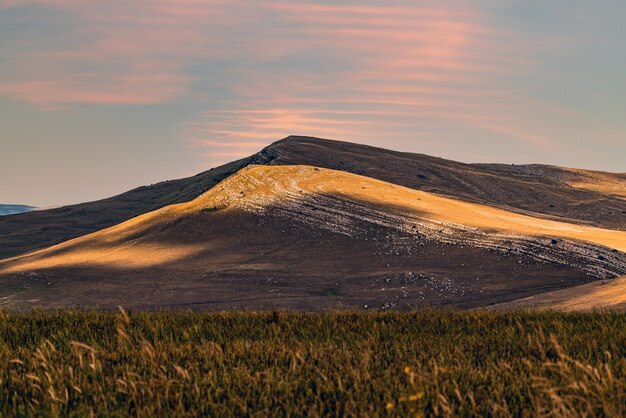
100, 97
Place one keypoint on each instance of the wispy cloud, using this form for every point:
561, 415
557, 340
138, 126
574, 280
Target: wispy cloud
401, 70
116, 52
269, 69
181, 84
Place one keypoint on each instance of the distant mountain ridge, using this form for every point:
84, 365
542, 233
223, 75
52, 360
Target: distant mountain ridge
14, 209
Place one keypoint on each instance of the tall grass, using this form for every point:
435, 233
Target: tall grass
427, 363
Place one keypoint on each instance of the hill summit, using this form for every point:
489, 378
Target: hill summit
571, 195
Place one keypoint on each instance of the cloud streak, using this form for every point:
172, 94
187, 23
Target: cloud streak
406, 71
120, 52
258, 71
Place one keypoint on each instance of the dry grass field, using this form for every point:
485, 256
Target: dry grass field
424, 363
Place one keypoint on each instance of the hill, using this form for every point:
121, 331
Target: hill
575, 196
310, 238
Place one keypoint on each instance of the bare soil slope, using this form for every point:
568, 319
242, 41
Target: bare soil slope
576, 196
305, 237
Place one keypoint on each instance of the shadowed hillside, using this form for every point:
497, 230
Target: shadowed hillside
310, 238
593, 198
34, 230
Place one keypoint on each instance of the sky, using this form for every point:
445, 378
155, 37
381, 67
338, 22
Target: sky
98, 97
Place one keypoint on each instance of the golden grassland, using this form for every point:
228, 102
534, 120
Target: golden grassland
425, 363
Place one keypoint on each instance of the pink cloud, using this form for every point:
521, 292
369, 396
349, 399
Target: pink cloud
130, 89
230, 134
408, 67
121, 53
364, 72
